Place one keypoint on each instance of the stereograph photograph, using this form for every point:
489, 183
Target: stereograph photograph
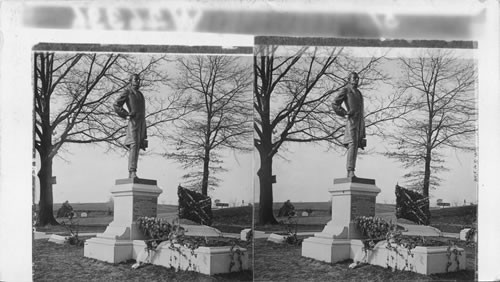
259, 141
367, 160
152, 153
358, 149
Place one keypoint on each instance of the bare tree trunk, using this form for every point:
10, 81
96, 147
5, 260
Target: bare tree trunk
266, 215
427, 174
204, 182
46, 215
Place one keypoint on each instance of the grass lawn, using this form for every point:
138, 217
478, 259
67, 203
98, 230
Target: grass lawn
281, 262
53, 262
273, 262
59, 229
232, 220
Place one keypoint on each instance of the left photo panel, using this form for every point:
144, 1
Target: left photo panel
142, 162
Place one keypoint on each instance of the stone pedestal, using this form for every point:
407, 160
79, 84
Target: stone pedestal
351, 197
132, 199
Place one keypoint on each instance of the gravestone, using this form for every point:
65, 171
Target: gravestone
351, 197
83, 214
132, 198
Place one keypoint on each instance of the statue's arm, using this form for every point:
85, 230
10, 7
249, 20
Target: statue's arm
337, 103
118, 105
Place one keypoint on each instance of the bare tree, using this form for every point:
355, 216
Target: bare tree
293, 103
72, 104
440, 91
218, 94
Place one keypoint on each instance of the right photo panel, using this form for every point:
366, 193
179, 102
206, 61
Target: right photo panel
365, 159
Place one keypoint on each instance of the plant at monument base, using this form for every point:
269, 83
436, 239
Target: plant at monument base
236, 255
469, 236
159, 233
452, 250
291, 232
157, 230
73, 229
376, 229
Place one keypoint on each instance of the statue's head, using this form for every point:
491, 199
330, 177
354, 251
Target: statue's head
134, 81
353, 79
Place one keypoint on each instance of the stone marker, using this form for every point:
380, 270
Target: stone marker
201, 230
304, 213
256, 234
351, 197
58, 239
419, 230
40, 235
277, 238
83, 214
132, 198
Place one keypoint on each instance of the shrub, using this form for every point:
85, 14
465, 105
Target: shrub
195, 206
412, 206
376, 229
65, 210
73, 230
287, 209
158, 230
373, 228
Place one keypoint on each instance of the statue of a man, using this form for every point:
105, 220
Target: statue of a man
136, 131
354, 136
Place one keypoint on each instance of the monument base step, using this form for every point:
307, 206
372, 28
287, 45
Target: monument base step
109, 250
206, 260
423, 260
326, 249
58, 239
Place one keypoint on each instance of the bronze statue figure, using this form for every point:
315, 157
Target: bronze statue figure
136, 131
354, 136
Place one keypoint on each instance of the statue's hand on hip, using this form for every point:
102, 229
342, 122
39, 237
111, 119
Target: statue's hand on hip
350, 113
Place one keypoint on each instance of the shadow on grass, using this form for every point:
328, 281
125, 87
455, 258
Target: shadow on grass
52, 262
